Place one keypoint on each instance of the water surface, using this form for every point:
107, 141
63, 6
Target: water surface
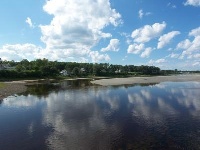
75, 115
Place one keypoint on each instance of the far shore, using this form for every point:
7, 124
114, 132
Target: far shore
147, 80
15, 87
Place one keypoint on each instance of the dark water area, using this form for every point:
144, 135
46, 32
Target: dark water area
75, 115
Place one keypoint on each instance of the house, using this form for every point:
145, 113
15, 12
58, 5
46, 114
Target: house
5, 66
82, 69
118, 71
64, 73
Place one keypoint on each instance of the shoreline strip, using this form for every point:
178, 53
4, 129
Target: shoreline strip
143, 80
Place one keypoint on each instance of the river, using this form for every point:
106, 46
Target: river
76, 115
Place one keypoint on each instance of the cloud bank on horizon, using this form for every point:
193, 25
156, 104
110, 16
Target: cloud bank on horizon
163, 34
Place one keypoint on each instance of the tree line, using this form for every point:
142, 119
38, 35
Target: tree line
41, 68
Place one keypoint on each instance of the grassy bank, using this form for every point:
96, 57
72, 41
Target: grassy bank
2, 85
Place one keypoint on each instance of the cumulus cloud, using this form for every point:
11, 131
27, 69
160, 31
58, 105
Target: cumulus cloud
142, 35
20, 51
136, 48
193, 3
184, 44
195, 32
148, 32
146, 53
96, 56
29, 22
166, 38
190, 48
77, 26
113, 46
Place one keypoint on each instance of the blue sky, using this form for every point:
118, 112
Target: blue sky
139, 32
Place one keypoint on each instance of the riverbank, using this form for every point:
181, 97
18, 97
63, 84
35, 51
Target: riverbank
15, 87
11, 88
147, 80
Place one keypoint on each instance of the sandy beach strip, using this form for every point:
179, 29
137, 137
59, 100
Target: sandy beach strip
14, 87
11, 89
147, 80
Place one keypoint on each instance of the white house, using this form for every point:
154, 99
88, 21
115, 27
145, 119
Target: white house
118, 71
64, 73
82, 69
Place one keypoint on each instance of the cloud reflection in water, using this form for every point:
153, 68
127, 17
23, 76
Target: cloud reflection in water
96, 117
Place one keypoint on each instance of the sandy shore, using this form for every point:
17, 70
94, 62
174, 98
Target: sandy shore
11, 89
144, 80
15, 87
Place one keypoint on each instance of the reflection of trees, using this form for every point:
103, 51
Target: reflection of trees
44, 89
76, 83
41, 89
1, 101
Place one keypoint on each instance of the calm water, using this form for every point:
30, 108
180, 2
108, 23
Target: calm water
74, 115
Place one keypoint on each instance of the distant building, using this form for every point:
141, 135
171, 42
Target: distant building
64, 73
118, 71
82, 69
5, 66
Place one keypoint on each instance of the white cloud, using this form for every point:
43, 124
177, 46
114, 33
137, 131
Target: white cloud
193, 3
77, 26
18, 52
136, 48
184, 44
166, 38
113, 46
140, 48
196, 64
29, 51
142, 14
158, 61
146, 53
148, 32
173, 55
195, 32
197, 56
29, 22
171, 5
190, 48
96, 56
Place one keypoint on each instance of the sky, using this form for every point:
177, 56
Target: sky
162, 33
